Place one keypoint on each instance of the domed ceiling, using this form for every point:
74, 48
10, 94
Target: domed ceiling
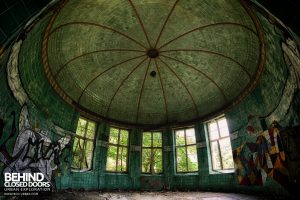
153, 62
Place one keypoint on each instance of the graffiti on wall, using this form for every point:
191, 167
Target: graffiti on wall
33, 151
264, 158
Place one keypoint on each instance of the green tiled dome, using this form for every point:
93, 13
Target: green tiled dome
153, 62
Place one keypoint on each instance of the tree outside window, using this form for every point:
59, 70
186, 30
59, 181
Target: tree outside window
117, 154
152, 153
220, 145
186, 150
83, 145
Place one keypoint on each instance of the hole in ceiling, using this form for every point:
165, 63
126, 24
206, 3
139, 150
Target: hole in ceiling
153, 73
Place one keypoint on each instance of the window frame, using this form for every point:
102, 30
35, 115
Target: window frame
118, 146
209, 141
151, 148
186, 146
85, 139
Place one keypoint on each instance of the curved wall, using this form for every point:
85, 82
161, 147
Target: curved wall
47, 110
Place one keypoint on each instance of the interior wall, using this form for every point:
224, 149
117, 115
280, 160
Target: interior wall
48, 111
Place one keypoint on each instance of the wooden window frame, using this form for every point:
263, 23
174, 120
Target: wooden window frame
152, 148
118, 147
186, 147
85, 140
216, 120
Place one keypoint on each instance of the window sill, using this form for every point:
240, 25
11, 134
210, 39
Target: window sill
158, 175
228, 171
81, 171
115, 173
187, 174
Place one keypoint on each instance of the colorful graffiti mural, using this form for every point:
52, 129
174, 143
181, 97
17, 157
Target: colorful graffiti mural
264, 158
33, 150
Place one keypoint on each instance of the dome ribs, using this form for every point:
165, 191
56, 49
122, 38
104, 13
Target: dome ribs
123, 81
142, 89
214, 53
204, 74
89, 53
207, 26
162, 89
184, 85
165, 23
100, 26
135, 33
140, 21
111, 67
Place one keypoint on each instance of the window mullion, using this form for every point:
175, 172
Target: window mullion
83, 146
118, 143
220, 155
219, 147
151, 154
186, 154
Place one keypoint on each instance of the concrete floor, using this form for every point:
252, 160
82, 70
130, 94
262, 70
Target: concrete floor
70, 195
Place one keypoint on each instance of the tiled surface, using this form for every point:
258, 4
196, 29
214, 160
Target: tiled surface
106, 82
49, 107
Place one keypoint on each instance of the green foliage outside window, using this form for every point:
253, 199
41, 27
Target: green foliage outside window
186, 150
83, 145
117, 153
152, 153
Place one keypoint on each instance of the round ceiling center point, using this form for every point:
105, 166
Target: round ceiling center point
153, 53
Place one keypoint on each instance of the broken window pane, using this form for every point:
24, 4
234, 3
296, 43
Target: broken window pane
83, 145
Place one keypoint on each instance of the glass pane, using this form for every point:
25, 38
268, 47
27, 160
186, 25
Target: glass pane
89, 154
81, 127
113, 135
111, 158
157, 161
146, 160
180, 140
226, 153
157, 140
213, 131
124, 137
91, 130
122, 159
223, 127
146, 139
181, 159
190, 136
192, 158
215, 156
77, 153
